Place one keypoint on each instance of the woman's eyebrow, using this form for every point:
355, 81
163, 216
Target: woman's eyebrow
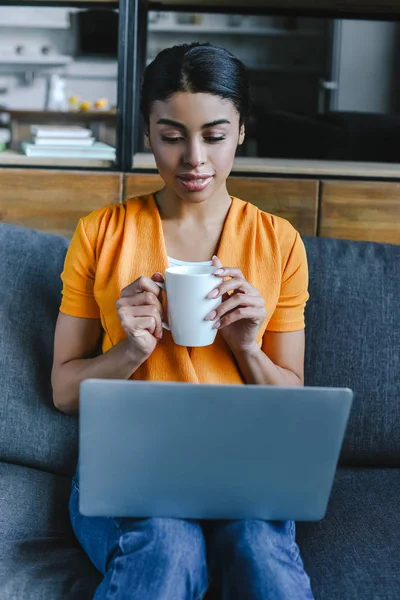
181, 126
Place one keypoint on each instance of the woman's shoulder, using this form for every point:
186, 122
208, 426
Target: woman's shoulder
108, 219
273, 225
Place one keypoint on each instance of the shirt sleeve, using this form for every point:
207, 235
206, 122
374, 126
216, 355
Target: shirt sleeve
289, 312
78, 277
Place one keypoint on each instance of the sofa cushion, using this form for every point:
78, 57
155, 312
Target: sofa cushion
39, 554
354, 552
353, 340
32, 431
41, 560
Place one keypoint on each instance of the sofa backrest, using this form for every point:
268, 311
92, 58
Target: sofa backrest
352, 337
32, 431
353, 340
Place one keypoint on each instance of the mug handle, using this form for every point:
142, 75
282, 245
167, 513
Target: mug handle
162, 287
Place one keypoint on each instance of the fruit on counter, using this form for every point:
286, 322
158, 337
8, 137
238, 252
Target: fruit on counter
101, 103
86, 106
73, 102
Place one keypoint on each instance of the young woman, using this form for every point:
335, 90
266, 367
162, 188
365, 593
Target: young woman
195, 100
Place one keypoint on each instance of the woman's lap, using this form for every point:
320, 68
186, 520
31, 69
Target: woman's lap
261, 554
104, 537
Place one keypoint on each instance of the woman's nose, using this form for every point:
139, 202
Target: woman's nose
195, 154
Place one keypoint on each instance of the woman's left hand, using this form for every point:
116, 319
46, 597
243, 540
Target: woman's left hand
241, 313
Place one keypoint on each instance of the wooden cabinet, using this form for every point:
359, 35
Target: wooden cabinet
141, 184
292, 199
357, 210
53, 201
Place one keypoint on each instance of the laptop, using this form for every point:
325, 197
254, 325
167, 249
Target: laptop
158, 449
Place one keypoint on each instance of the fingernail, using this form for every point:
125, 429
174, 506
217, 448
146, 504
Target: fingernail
216, 325
218, 272
214, 294
214, 256
211, 316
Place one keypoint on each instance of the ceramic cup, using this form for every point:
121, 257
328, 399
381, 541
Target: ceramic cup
187, 288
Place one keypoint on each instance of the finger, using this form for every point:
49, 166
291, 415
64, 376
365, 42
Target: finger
255, 314
142, 299
157, 277
148, 301
129, 315
140, 325
142, 284
216, 262
231, 285
229, 272
150, 311
233, 302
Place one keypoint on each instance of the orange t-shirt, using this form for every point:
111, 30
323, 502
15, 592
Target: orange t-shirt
115, 245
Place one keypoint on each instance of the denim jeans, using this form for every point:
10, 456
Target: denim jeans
176, 559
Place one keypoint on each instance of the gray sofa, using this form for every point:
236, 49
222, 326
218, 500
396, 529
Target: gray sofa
353, 339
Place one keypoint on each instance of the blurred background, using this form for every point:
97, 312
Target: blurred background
323, 88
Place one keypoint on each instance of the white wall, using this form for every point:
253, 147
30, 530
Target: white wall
366, 66
34, 28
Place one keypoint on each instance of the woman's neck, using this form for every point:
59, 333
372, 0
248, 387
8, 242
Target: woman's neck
192, 230
173, 208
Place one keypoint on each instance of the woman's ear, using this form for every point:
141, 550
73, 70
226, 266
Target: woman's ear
242, 133
147, 140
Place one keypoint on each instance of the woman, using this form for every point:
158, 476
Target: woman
195, 100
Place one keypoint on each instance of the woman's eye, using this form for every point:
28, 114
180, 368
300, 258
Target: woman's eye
171, 140
174, 140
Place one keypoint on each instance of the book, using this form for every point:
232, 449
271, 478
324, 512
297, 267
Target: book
57, 141
97, 150
60, 131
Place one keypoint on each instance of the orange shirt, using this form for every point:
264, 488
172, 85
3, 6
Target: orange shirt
115, 245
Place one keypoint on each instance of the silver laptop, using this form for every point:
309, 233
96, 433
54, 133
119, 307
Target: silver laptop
153, 449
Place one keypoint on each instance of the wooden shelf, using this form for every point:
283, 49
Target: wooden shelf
311, 168
92, 115
10, 157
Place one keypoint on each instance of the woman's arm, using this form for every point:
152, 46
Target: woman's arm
279, 362
75, 343
239, 317
77, 339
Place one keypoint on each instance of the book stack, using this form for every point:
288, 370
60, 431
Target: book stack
65, 141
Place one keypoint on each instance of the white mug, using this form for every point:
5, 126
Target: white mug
187, 289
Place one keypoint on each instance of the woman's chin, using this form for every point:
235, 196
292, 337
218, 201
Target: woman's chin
194, 196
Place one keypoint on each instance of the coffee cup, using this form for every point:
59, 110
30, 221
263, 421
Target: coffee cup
187, 288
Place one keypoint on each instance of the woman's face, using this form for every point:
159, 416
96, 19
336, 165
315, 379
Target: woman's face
194, 139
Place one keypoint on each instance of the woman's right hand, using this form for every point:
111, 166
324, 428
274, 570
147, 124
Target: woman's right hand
140, 313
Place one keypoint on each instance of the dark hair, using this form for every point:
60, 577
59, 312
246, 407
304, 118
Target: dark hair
197, 68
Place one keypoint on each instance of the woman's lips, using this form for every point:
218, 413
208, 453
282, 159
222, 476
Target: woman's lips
195, 185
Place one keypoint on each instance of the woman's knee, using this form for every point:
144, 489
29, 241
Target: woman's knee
253, 537
172, 541
166, 542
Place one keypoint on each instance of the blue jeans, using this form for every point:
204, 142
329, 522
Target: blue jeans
174, 559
